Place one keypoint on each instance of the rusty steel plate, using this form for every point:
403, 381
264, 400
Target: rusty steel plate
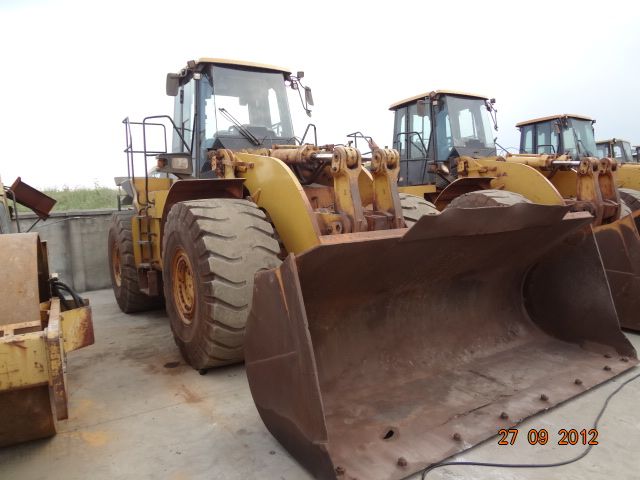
411, 344
619, 245
20, 294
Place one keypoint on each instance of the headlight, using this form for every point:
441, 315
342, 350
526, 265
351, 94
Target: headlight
179, 163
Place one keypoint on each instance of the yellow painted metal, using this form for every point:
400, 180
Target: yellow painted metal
241, 63
628, 176
274, 187
385, 166
553, 117
565, 182
183, 286
77, 329
365, 185
435, 93
514, 177
346, 167
23, 361
418, 190
155, 184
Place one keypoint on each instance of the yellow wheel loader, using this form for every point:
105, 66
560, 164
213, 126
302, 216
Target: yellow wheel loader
628, 177
371, 349
615, 148
447, 154
39, 325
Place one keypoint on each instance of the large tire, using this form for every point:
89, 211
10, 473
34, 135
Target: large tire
413, 208
122, 267
212, 250
488, 198
631, 198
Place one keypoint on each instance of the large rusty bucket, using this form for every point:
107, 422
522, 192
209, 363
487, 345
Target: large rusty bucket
619, 244
376, 354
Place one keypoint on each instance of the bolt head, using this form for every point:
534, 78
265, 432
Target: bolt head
457, 437
577, 381
402, 462
504, 415
544, 397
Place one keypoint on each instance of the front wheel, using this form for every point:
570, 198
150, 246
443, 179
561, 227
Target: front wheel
211, 251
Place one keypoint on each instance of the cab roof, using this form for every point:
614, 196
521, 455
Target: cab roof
554, 117
612, 140
242, 63
411, 100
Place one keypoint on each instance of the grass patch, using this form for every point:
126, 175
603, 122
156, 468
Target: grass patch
80, 198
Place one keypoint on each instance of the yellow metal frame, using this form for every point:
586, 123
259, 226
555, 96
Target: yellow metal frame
28, 359
628, 176
418, 190
274, 187
513, 177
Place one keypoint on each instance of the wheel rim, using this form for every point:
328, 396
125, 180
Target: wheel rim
183, 286
115, 264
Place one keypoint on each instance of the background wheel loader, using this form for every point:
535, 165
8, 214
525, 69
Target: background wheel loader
364, 341
39, 325
447, 151
615, 148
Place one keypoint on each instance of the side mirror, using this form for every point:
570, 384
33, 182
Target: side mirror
300, 75
421, 107
173, 84
308, 97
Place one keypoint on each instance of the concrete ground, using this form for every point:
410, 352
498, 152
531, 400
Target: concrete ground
138, 412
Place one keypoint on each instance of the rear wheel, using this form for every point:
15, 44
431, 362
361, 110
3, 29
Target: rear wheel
488, 198
413, 208
122, 267
211, 251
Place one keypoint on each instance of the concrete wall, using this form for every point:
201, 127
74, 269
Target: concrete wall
77, 243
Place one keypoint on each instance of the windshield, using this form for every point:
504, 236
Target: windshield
245, 103
462, 122
579, 140
625, 151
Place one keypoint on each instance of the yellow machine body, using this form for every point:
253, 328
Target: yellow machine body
35, 336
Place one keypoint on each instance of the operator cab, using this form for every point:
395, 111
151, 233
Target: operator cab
615, 148
228, 104
433, 129
558, 134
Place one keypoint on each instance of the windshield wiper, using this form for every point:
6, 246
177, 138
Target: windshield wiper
246, 133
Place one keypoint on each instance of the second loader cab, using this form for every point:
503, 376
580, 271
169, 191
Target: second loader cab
433, 129
558, 134
616, 148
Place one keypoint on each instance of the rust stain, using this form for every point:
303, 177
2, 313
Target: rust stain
97, 438
189, 395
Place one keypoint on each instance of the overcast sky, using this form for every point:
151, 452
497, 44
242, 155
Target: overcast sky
72, 70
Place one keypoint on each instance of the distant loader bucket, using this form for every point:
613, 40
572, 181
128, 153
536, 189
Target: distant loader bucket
619, 244
376, 354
